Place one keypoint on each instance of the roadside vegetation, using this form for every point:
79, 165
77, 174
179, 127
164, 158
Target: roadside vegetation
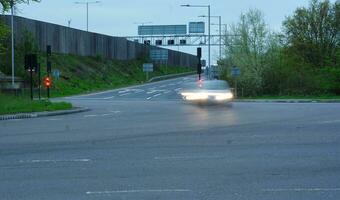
11, 104
301, 60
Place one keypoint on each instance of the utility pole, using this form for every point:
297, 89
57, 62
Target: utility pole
12, 42
87, 10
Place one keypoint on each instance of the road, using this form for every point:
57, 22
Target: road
144, 142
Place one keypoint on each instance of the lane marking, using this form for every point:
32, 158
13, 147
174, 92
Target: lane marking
111, 97
136, 191
329, 122
90, 115
55, 119
55, 161
178, 89
124, 94
115, 111
187, 157
301, 189
156, 95
107, 114
149, 98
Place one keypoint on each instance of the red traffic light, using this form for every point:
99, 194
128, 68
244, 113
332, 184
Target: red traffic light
47, 82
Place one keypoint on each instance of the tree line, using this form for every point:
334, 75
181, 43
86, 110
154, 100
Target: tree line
302, 59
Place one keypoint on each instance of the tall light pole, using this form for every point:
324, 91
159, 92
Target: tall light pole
87, 10
220, 32
204, 6
12, 42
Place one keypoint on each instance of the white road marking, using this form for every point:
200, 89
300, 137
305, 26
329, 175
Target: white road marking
172, 84
115, 111
137, 191
124, 94
111, 97
149, 98
329, 122
301, 190
54, 161
107, 114
55, 119
187, 157
156, 95
90, 115
178, 89
166, 92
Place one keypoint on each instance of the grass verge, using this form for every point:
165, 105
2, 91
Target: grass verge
10, 104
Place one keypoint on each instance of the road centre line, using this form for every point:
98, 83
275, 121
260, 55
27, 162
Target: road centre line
187, 157
90, 115
55, 119
301, 190
124, 94
136, 191
55, 161
156, 95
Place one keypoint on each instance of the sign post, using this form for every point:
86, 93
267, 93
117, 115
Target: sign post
235, 72
31, 64
147, 67
199, 64
48, 65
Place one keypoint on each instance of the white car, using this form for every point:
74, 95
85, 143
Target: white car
204, 91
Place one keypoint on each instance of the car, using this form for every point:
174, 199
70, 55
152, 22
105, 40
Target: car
207, 91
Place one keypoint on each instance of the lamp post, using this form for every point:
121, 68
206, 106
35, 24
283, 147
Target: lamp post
12, 42
220, 32
204, 6
87, 10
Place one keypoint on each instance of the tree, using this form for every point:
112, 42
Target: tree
247, 47
314, 33
6, 4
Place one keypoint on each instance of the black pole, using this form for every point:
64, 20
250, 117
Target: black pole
39, 73
31, 74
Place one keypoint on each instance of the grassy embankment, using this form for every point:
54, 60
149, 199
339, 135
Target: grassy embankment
82, 75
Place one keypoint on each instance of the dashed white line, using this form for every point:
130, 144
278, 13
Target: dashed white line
54, 161
156, 95
301, 190
188, 157
55, 119
136, 191
90, 115
124, 94
149, 98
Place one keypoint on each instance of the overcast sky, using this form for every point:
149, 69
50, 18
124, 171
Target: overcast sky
118, 18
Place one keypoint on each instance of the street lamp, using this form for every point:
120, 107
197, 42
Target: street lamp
220, 32
204, 6
87, 10
12, 42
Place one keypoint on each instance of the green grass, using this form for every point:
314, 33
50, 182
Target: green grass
81, 74
10, 104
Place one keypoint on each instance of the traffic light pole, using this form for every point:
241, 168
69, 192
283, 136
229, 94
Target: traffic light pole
48, 65
39, 74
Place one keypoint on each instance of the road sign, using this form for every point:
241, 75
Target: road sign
235, 71
162, 30
159, 54
147, 67
196, 27
56, 73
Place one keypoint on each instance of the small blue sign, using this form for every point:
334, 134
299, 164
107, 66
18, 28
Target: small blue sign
235, 71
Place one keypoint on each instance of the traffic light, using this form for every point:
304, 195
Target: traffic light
47, 82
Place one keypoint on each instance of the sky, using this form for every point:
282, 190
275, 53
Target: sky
121, 18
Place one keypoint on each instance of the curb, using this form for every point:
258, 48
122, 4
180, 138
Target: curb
288, 101
43, 114
159, 78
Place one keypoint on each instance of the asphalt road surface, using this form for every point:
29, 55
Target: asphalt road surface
144, 142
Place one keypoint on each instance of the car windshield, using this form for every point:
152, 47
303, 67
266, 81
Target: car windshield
207, 85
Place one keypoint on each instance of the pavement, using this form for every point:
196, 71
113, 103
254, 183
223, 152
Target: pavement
144, 142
